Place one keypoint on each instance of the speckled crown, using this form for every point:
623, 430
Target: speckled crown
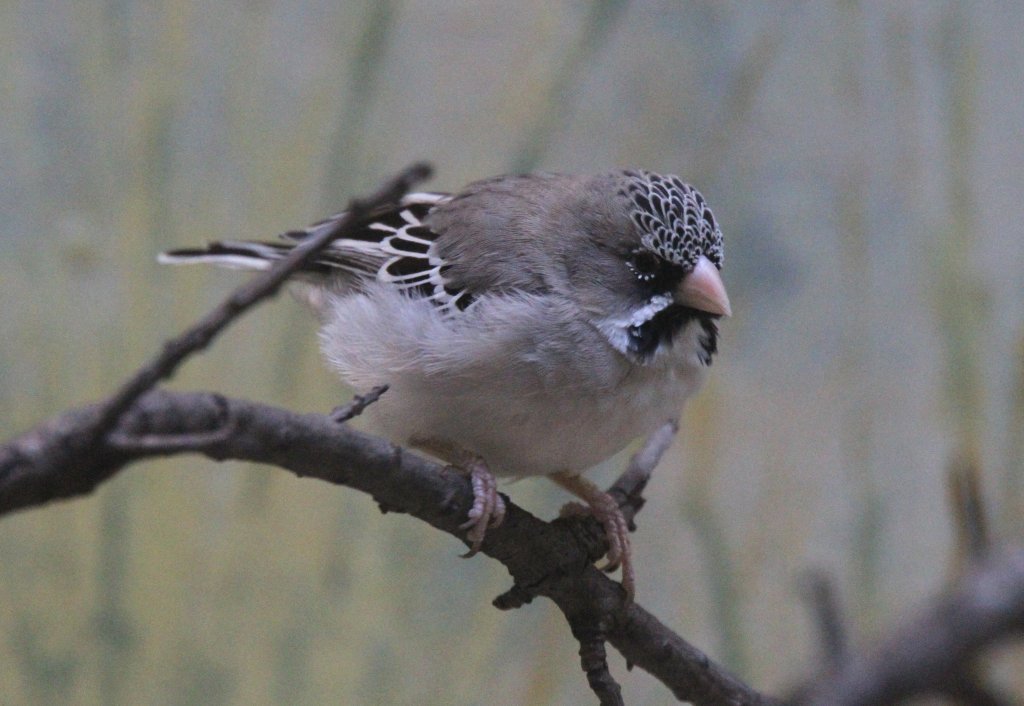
676, 222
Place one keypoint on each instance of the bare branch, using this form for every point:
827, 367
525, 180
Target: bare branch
55, 450
546, 558
689, 673
261, 286
356, 406
594, 661
931, 654
628, 488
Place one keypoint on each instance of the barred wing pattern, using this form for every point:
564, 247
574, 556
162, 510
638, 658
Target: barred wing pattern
397, 247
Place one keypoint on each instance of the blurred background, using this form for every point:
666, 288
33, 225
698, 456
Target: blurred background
864, 160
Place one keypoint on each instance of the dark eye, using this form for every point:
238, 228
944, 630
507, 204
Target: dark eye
645, 265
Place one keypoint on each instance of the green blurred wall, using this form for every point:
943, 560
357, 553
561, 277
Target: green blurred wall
864, 159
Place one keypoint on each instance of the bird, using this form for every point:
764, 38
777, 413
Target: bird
527, 325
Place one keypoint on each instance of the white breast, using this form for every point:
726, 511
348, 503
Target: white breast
522, 380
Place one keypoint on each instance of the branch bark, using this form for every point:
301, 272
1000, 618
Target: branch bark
552, 559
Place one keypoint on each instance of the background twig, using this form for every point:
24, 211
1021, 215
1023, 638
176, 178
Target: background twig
921, 657
820, 593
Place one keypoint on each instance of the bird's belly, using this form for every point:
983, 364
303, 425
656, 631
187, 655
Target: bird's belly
523, 382
535, 432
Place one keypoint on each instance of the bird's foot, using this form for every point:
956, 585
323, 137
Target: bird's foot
488, 510
607, 511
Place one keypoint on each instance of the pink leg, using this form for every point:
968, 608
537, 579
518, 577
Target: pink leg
608, 513
488, 508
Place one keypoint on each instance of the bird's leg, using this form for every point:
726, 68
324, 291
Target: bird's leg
488, 508
607, 511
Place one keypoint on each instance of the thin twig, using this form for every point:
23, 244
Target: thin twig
964, 482
261, 286
58, 448
594, 661
628, 487
357, 404
820, 594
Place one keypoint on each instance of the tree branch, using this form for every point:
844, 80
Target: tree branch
932, 654
551, 559
60, 444
253, 291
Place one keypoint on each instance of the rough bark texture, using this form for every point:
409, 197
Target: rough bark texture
552, 559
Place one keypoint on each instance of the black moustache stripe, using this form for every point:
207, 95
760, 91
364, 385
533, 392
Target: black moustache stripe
645, 339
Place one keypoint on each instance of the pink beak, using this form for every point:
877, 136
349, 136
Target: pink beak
704, 290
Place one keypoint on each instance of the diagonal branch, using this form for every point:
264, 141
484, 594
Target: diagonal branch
252, 292
55, 450
932, 653
550, 559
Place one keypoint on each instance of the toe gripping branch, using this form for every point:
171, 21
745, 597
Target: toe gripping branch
602, 526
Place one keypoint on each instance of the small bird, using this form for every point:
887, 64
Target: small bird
528, 325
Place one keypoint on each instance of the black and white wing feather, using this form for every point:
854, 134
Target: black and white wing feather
396, 247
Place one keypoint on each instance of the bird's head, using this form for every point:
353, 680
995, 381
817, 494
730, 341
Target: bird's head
654, 273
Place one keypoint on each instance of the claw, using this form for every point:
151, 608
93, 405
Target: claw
616, 529
488, 509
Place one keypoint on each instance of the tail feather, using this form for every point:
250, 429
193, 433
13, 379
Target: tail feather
233, 254
394, 235
250, 255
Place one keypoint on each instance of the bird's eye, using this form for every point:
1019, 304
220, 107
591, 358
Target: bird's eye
645, 265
